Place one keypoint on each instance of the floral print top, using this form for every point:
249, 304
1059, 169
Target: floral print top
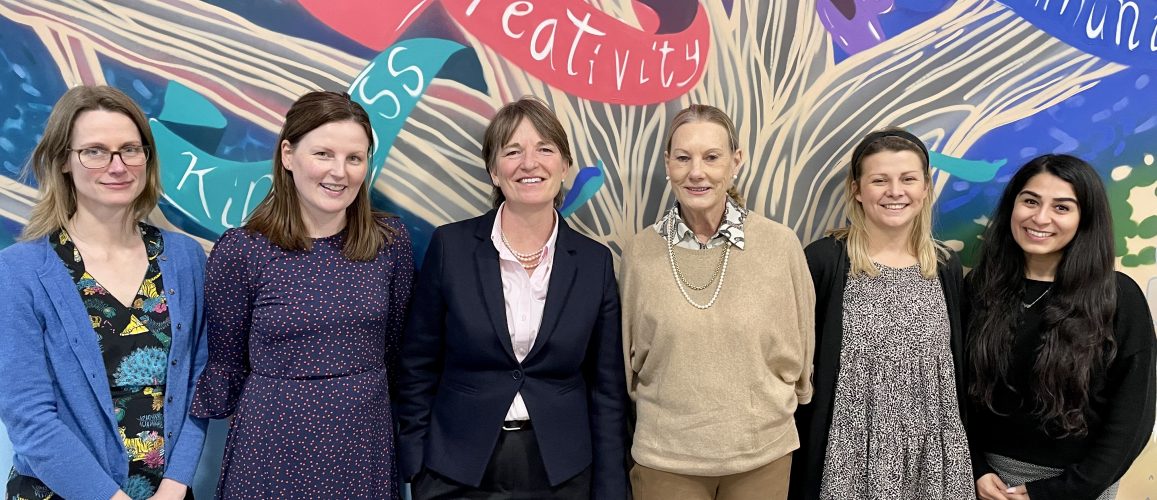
134, 340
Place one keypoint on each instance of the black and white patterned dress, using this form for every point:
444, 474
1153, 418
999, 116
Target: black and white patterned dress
896, 429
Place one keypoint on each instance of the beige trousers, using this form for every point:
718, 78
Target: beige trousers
768, 482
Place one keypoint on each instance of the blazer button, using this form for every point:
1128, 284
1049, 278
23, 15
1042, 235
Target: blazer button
170, 434
172, 291
164, 257
174, 362
178, 326
170, 399
516, 374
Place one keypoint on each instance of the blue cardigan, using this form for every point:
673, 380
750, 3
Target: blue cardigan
55, 399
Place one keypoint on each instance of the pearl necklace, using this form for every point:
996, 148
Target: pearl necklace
526, 260
721, 269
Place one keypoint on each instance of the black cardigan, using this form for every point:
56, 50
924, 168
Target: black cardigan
828, 261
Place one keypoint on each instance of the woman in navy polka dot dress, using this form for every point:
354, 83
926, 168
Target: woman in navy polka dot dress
305, 305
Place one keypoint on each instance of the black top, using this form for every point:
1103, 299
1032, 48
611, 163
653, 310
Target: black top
828, 262
1122, 405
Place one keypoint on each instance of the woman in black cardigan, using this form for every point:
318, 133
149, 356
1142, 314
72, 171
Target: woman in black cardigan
884, 420
1061, 347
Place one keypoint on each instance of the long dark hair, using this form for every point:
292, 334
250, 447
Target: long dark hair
1077, 330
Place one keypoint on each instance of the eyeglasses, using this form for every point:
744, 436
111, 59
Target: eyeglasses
94, 158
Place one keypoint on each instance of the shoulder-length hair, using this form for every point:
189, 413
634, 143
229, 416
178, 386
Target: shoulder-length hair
1078, 319
57, 192
927, 250
278, 217
502, 127
704, 113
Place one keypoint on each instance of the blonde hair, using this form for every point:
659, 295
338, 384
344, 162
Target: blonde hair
697, 113
927, 250
278, 217
57, 201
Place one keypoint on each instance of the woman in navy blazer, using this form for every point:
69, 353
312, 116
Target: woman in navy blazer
84, 243
512, 381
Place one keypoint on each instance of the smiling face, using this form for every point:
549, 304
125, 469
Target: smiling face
892, 190
1045, 217
701, 166
117, 185
528, 169
328, 165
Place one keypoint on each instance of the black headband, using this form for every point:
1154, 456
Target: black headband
880, 134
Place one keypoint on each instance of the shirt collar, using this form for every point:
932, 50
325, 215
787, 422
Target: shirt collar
730, 230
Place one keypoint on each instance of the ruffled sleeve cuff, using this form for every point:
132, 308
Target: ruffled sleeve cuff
217, 393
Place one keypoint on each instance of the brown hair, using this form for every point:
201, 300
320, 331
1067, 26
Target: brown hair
279, 218
705, 113
920, 242
502, 128
57, 193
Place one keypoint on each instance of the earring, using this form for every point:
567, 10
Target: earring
667, 178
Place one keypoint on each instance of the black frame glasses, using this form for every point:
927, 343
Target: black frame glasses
133, 161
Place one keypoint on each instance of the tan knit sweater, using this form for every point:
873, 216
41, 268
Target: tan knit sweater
716, 389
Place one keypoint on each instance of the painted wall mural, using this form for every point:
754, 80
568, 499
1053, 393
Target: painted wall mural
987, 84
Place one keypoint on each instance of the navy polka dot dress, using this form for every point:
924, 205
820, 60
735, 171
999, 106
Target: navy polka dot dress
302, 349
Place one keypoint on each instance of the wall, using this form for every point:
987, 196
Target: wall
986, 84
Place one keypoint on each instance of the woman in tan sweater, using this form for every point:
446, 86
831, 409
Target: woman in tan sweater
717, 330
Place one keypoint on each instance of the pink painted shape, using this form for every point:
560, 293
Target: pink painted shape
586, 52
368, 22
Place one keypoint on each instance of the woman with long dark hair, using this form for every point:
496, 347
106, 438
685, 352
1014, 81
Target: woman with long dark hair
1061, 347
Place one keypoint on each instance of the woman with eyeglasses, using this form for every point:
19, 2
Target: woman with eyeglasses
100, 324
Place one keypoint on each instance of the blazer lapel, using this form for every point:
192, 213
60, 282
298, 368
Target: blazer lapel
562, 276
490, 281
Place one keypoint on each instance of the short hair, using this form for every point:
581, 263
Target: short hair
502, 127
920, 241
57, 192
278, 217
697, 113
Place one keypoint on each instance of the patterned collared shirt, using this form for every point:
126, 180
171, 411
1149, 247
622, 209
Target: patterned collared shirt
731, 229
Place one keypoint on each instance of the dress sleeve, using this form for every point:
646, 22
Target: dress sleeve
1127, 421
229, 296
401, 283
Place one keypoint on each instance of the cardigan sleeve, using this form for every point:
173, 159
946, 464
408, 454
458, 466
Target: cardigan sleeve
1127, 421
28, 403
229, 296
182, 464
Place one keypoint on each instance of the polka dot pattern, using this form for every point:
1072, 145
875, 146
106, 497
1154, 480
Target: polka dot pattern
302, 349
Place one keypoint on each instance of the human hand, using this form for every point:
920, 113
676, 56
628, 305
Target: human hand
120, 495
170, 490
1017, 493
990, 487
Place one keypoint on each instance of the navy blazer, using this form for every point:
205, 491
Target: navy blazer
459, 373
55, 399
